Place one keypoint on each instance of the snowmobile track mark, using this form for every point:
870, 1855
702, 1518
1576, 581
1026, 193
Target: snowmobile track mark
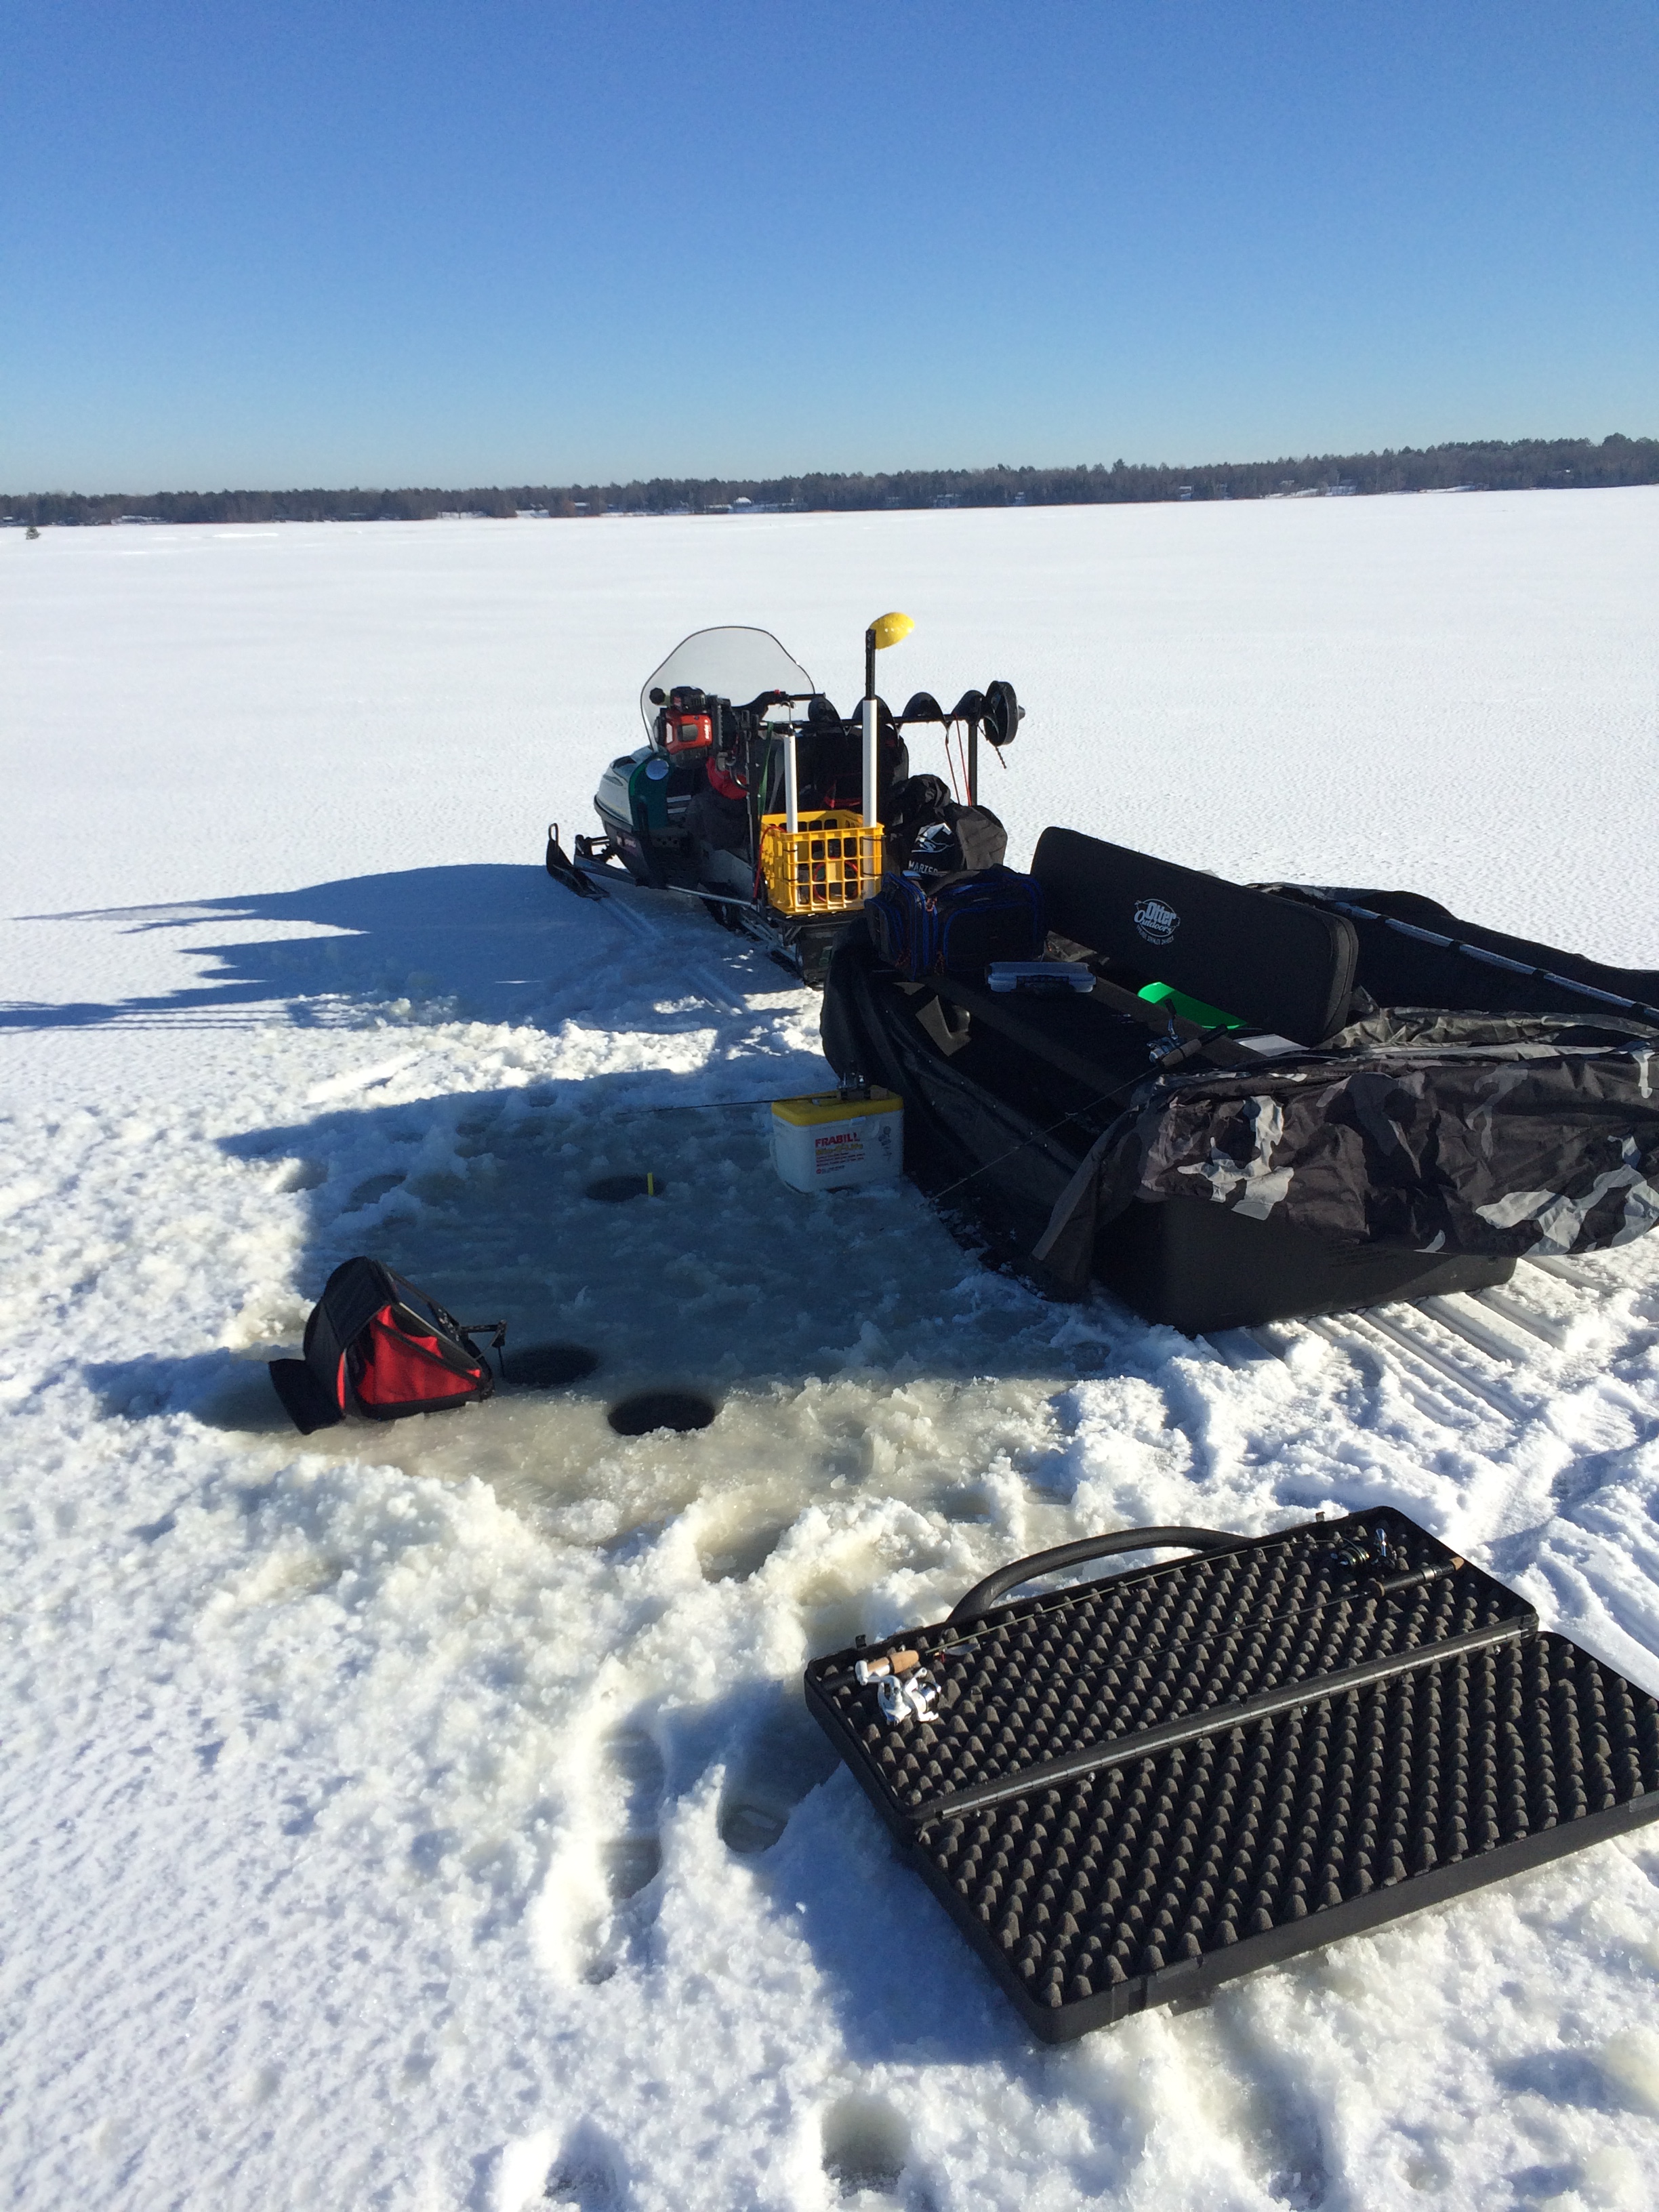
1543, 1326
1376, 1358
1460, 1377
1437, 1379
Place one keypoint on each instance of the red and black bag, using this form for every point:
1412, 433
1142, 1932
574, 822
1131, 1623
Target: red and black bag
375, 1344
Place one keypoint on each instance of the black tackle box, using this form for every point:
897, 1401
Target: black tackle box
1128, 1791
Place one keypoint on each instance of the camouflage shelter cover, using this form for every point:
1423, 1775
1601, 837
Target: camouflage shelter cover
1485, 1097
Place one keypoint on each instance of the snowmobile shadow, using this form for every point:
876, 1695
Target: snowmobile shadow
481, 943
723, 1277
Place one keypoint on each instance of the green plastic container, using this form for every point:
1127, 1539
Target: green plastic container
1191, 1010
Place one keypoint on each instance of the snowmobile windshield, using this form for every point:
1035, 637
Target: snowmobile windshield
738, 665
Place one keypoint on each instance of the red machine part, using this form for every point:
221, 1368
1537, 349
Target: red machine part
686, 733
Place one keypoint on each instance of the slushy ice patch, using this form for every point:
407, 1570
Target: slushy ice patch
841, 1344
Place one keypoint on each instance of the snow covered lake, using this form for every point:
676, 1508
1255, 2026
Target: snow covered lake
429, 1818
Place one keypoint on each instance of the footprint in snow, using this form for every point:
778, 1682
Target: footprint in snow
631, 1859
634, 1859
783, 1756
866, 2148
589, 2174
371, 1189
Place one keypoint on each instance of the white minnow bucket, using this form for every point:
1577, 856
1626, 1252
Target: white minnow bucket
839, 1140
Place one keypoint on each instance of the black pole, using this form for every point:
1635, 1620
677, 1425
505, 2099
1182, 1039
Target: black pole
869, 662
973, 764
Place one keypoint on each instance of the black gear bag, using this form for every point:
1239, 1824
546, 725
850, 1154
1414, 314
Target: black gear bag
932, 837
956, 927
375, 1344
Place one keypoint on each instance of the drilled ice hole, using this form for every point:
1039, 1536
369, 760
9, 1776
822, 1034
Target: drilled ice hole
648, 1410
617, 1189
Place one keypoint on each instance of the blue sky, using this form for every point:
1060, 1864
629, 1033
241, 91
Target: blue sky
508, 242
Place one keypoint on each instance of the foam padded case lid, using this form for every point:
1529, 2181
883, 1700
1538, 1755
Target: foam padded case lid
1270, 962
1131, 1791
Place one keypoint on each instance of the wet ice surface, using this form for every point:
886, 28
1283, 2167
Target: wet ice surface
427, 1816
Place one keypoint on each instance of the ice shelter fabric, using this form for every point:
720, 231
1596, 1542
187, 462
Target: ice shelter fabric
1419, 1130
1502, 1150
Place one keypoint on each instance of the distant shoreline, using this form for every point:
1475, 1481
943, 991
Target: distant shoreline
1518, 465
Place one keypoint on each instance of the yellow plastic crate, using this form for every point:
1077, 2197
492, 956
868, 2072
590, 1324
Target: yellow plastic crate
830, 865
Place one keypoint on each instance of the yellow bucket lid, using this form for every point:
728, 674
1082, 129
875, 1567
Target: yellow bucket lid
832, 1106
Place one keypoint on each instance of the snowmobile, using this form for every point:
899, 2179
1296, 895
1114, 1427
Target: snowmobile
755, 795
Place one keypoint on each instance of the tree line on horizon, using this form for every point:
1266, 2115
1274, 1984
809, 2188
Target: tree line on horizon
1518, 465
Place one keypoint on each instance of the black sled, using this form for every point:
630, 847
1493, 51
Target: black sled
1266, 1102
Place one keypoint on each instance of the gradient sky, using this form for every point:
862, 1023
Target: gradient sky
547, 241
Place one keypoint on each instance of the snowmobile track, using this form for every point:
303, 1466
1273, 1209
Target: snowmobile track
1425, 1345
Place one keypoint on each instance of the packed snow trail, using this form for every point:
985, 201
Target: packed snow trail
429, 1818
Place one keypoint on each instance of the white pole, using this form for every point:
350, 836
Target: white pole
871, 811
791, 787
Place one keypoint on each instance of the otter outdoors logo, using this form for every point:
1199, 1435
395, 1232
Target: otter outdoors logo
1157, 923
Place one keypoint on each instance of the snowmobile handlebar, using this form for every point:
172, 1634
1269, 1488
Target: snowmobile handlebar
996, 706
777, 699
984, 1595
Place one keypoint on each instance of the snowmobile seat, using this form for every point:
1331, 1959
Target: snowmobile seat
1247, 951
1095, 1041
717, 823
